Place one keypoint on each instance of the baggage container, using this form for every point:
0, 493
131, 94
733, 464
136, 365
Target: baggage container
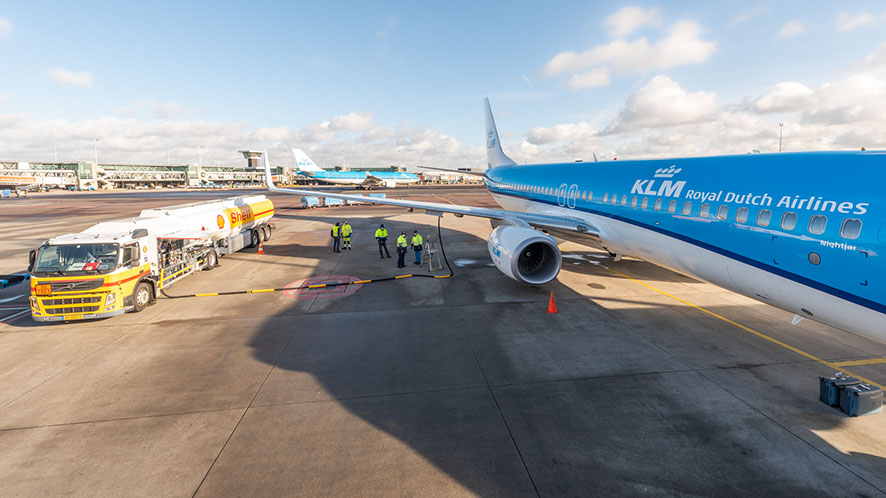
861, 399
829, 388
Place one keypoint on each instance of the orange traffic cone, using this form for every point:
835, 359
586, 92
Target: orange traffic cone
552, 306
261, 250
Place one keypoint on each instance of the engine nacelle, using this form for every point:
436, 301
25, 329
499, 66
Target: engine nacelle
524, 254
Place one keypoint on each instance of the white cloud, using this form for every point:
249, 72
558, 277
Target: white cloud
67, 77
682, 46
791, 29
595, 77
561, 133
747, 15
849, 22
629, 19
135, 141
786, 96
5, 27
878, 58
662, 102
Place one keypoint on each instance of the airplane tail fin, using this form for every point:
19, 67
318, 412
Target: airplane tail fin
494, 155
304, 162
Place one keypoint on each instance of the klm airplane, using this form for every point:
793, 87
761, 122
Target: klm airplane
805, 232
307, 167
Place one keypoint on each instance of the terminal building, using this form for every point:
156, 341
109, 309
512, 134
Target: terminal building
89, 175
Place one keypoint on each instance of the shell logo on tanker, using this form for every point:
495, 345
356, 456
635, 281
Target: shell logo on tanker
220, 220
240, 216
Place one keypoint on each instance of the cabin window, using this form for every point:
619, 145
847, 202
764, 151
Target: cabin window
644, 203
672, 206
584, 195
741, 215
624, 200
606, 197
851, 228
634, 201
590, 195
614, 199
817, 224
788, 221
722, 212
705, 210
657, 205
687, 207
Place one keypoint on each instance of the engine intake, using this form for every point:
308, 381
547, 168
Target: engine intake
524, 254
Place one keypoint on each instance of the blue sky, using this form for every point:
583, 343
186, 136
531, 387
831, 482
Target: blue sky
381, 82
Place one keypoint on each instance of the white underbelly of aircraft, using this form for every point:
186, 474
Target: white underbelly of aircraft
689, 259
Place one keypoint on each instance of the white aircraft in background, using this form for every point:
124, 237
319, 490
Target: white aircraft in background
307, 167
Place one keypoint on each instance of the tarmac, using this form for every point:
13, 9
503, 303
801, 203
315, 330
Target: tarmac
646, 382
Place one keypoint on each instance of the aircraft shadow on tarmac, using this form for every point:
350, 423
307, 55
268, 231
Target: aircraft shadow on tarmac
474, 377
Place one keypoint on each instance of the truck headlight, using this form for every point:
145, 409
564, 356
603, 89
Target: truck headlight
34, 303
110, 299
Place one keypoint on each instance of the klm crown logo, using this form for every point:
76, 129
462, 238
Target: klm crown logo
667, 172
490, 140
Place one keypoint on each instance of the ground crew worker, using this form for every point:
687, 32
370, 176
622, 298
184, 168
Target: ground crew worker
346, 235
336, 238
416, 246
381, 235
401, 250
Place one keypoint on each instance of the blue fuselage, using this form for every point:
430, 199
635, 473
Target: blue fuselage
816, 219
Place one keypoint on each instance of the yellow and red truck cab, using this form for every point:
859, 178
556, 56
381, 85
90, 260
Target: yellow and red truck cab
120, 266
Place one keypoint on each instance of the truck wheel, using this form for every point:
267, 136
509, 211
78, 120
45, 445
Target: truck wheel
267, 232
141, 296
210, 261
256, 238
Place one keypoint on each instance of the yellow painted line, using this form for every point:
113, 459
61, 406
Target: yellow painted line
835, 366
256, 291
207, 294
361, 281
852, 363
445, 199
402, 276
442, 276
316, 286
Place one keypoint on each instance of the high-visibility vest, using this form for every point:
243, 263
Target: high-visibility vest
345, 230
335, 231
381, 233
416, 240
401, 241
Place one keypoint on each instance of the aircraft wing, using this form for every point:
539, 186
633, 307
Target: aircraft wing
435, 208
472, 173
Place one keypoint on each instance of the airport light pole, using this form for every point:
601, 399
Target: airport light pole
780, 129
200, 161
96, 151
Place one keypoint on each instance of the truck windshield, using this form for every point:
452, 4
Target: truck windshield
76, 259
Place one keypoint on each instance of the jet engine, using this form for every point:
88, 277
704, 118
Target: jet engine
524, 254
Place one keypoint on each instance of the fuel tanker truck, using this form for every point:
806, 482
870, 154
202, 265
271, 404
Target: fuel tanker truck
119, 266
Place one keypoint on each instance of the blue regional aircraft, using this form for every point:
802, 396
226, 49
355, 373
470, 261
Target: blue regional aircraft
307, 167
805, 232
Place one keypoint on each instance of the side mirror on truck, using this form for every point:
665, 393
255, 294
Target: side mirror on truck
32, 256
